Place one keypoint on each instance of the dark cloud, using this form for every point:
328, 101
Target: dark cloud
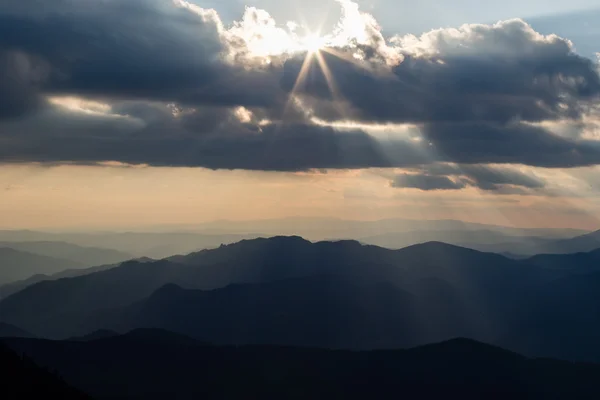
171, 94
190, 139
493, 178
511, 143
131, 49
19, 76
216, 137
426, 182
498, 179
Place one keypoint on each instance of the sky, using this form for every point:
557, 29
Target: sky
117, 114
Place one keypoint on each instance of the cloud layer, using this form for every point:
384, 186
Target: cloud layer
165, 83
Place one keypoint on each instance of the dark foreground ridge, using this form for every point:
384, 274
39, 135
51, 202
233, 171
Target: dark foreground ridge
156, 364
21, 378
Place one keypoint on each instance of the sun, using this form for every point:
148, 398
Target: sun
312, 43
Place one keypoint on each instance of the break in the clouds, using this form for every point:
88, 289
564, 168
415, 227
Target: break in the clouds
166, 83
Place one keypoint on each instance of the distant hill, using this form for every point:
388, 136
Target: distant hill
134, 244
16, 265
153, 364
483, 240
87, 256
14, 287
183, 239
330, 228
22, 379
581, 262
491, 241
578, 244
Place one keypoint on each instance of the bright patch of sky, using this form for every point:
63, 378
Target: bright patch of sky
579, 20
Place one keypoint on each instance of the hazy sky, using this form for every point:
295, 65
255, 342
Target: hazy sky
117, 115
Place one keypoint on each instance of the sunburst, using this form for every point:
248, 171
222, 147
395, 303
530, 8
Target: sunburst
314, 46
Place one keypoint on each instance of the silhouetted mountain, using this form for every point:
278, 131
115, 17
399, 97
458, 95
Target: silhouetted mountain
7, 330
287, 290
492, 241
56, 308
151, 364
483, 240
16, 265
99, 334
576, 262
316, 311
138, 244
14, 287
187, 238
579, 244
87, 256
22, 379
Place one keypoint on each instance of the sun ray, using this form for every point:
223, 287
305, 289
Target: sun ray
299, 79
337, 98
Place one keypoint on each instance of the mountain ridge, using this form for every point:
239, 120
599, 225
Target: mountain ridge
152, 363
16, 265
290, 291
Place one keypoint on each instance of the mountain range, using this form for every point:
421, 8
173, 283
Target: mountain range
491, 241
157, 364
289, 291
37, 307
183, 239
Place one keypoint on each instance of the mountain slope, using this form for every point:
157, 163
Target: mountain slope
481, 239
579, 244
22, 379
317, 311
7, 330
562, 320
152, 364
321, 311
88, 256
138, 244
14, 287
577, 262
16, 265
